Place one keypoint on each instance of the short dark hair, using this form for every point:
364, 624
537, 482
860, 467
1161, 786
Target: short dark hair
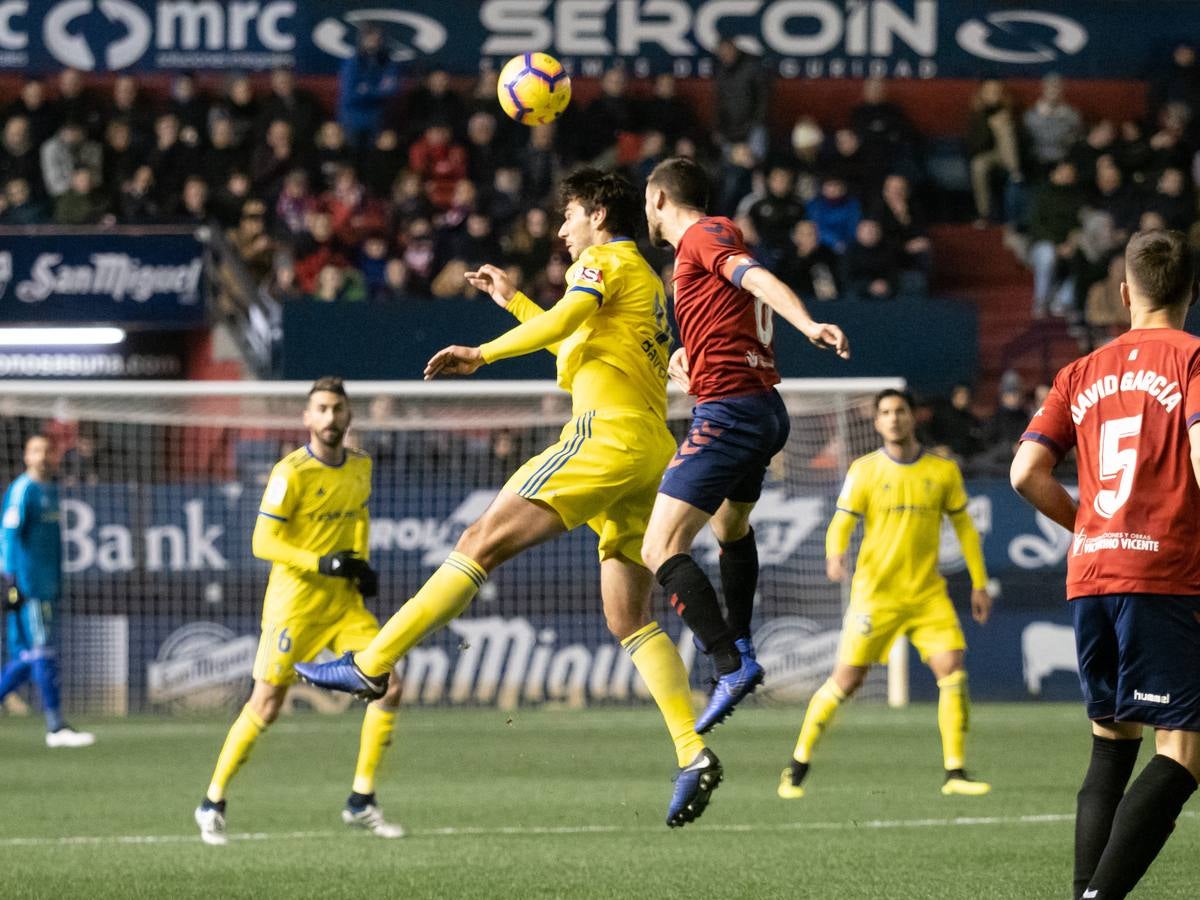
683, 180
1159, 263
330, 383
593, 189
894, 392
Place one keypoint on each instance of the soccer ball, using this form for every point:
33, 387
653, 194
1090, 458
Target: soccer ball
533, 89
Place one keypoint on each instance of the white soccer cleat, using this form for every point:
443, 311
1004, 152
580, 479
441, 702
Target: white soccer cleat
212, 826
370, 817
69, 737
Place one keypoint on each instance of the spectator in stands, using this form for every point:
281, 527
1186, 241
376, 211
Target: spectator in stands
193, 204
137, 203
18, 155
440, 163
335, 283
666, 112
812, 270
1053, 220
129, 106
483, 156
539, 165
228, 199
600, 125
742, 98
476, 243
1112, 195
240, 107
1180, 83
372, 263
775, 215
408, 200
385, 160
888, 138
288, 103
847, 161
33, 106
872, 271
21, 207
651, 151
905, 228
187, 104
550, 283
1101, 140
1100, 241
273, 159
352, 213
282, 284
75, 103
222, 155
419, 254
807, 141
991, 144
316, 250
836, 214
735, 179
1132, 150
82, 203
171, 159
252, 243
331, 155
1052, 124
121, 158
434, 101
502, 199
510, 136
366, 83
954, 427
294, 203
69, 149
395, 285
1174, 200
1169, 146
530, 243
1004, 429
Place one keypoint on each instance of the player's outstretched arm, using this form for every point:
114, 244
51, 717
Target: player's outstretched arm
1032, 476
494, 282
781, 298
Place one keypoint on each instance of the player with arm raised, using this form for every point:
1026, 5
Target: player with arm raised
900, 493
1131, 411
32, 584
724, 303
313, 528
610, 335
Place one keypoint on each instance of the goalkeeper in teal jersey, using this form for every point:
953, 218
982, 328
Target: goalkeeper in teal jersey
32, 578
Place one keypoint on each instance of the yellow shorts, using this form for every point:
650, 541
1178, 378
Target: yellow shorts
604, 471
289, 640
870, 630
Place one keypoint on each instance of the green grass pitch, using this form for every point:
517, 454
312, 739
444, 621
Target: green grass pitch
558, 804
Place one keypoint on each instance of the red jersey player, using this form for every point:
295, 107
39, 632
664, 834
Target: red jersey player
1131, 410
724, 301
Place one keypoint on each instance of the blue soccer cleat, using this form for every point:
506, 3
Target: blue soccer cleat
745, 647
343, 675
693, 788
730, 690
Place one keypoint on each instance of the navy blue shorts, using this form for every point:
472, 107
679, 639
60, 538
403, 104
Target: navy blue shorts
727, 450
1139, 658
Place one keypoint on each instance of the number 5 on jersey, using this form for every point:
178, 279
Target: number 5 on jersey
1116, 463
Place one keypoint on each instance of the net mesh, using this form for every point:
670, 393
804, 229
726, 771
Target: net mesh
160, 487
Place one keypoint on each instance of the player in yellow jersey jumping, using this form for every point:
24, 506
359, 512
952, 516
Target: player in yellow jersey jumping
610, 335
312, 526
900, 493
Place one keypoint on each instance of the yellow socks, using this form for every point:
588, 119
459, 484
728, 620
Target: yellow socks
235, 751
953, 718
445, 596
657, 661
821, 707
377, 727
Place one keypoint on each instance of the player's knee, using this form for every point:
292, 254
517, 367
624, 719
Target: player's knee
849, 678
266, 701
624, 622
395, 689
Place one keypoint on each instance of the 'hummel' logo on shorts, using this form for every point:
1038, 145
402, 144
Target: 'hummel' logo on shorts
1162, 699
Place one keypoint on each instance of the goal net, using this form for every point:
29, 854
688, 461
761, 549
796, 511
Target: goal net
160, 485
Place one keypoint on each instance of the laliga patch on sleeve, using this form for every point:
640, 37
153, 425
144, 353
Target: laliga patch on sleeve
592, 274
276, 490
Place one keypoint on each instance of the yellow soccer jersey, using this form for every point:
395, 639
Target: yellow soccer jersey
901, 506
314, 509
629, 331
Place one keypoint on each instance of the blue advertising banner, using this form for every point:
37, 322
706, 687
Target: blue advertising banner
799, 38
153, 280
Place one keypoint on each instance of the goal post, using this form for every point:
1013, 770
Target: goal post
160, 486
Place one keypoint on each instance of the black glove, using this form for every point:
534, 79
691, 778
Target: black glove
347, 564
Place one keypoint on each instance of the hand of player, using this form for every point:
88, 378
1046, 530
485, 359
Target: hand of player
344, 564
494, 282
828, 337
454, 361
835, 568
981, 605
677, 370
